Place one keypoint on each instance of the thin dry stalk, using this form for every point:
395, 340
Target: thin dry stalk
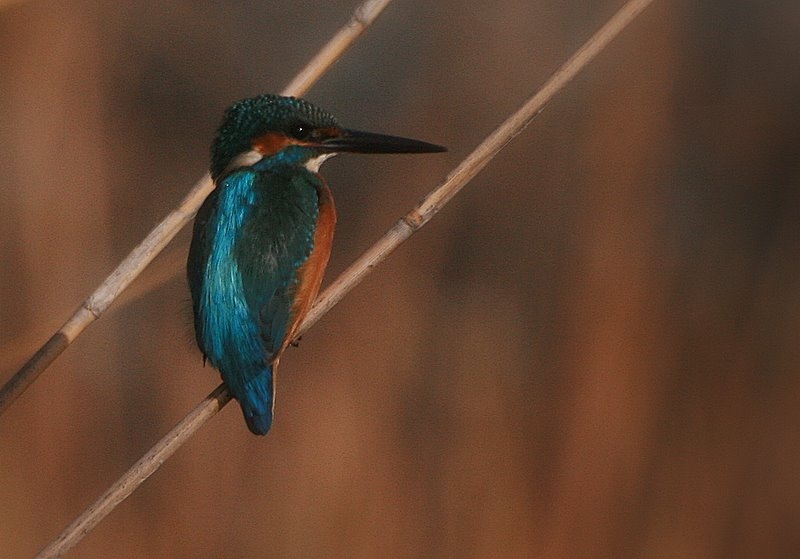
362, 18
139, 472
141, 256
471, 165
401, 231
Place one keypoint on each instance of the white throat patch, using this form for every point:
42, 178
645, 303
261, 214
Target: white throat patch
248, 158
244, 159
314, 164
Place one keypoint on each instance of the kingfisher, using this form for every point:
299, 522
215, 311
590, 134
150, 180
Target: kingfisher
262, 238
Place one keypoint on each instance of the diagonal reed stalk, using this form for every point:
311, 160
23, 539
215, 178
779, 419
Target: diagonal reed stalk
141, 256
396, 235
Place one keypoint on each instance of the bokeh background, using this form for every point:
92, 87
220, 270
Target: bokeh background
592, 352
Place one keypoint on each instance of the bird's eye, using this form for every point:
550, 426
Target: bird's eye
300, 130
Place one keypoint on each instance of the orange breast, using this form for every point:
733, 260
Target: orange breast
310, 274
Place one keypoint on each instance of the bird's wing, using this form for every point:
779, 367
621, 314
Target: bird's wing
199, 250
276, 240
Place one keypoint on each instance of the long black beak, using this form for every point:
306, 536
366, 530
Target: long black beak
356, 141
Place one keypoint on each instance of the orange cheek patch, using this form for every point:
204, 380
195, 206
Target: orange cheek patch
271, 143
328, 132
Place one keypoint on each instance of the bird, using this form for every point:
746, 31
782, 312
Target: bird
262, 238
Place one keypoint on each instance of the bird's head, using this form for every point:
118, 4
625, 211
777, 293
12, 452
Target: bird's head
274, 129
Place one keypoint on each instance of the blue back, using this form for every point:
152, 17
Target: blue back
251, 236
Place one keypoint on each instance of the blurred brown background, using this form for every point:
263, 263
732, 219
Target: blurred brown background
592, 352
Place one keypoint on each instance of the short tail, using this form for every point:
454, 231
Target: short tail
259, 424
257, 397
